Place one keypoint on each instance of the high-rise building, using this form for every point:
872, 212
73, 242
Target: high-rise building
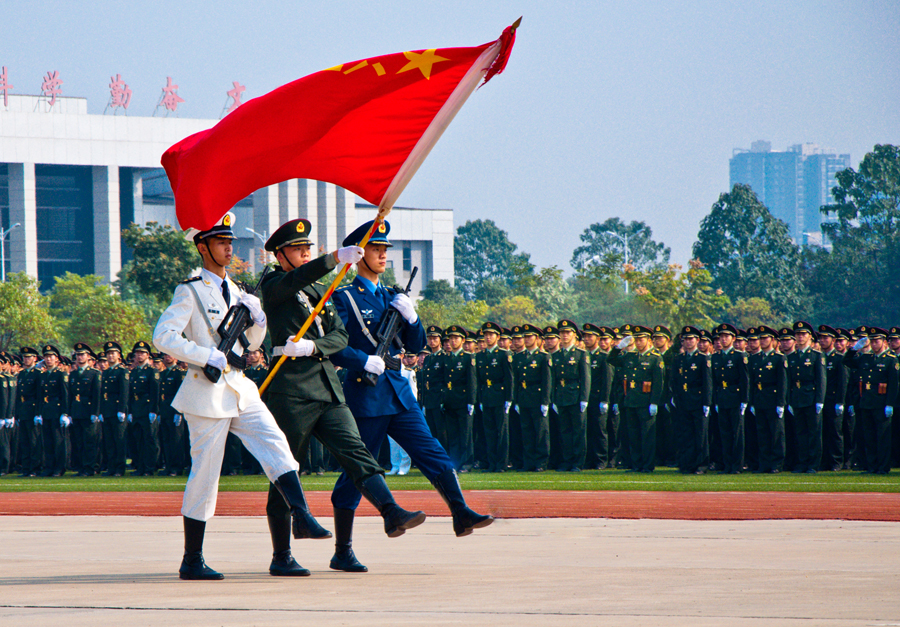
793, 184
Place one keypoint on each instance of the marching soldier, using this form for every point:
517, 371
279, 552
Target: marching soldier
53, 415
690, 381
731, 393
144, 400
114, 388
806, 381
431, 382
28, 390
768, 380
84, 389
171, 422
533, 379
460, 393
495, 387
835, 394
597, 342
571, 392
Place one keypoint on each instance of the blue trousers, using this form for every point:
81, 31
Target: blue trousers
411, 432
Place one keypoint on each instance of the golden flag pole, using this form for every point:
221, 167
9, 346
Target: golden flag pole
379, 219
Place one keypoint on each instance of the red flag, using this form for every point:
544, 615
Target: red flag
365, 126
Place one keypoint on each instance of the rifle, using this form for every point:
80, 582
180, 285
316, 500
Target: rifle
231, 330
387, 332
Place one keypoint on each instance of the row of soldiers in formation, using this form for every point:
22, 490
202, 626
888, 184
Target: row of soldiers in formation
93, 413
566, 398
526, 398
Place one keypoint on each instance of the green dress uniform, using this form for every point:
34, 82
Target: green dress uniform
171, 423
666, 450
598, 453
54, 403
86, 432
495, 387
878, 386
571, 392
28, 388
807, 385
836, 375
114, 387
460, 389
690, 382
143, 404
768, 382
731, 394
533, 376
643, 387
7, 404
431, 382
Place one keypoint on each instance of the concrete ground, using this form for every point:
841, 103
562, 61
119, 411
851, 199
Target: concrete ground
88, 570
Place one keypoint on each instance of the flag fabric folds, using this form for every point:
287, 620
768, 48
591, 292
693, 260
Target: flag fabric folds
365, 126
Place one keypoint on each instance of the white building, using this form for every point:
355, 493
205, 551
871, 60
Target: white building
73, 181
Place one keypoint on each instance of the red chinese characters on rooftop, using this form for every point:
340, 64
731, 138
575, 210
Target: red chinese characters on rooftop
235, 95
50, 88
170, 98
119, 92
5, 87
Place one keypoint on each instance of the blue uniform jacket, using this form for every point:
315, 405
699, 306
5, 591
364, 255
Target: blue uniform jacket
393, 393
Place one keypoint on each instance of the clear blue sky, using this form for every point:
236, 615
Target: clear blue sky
606, 108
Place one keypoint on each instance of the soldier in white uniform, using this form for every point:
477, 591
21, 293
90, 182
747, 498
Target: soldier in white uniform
187, 330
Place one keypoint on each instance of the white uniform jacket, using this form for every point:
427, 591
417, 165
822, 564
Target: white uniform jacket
183, 333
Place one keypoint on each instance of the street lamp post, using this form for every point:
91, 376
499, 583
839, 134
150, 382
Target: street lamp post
262, 238
624, 240
3, 235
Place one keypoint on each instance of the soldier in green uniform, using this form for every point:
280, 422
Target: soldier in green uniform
143, 395
618, 434
597, 343
807, 385
894, 344
731, 394
28, 387
7, 403
533, 377
768, 380
644, 372
571, 392
257, 370
751, 446
114, 387
690, 381
53, 413
171, 422
460, 388
84, 407
665, 429
835, 394
878, 382
516, 347
431, 381
495, 387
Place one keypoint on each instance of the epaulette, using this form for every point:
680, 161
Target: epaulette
189, 280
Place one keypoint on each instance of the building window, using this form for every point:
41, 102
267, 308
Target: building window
407, 258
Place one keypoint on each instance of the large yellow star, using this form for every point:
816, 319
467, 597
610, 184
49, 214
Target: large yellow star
421, 61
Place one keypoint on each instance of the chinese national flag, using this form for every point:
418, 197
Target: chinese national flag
365, 126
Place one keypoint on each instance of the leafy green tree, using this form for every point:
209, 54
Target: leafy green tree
440, 291
514, 310
752, 312
552, 295
161, 258
749, 253
483, 251
608, 253
25, 318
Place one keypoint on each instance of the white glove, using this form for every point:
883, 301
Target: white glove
152, 418
851, 410
545, 410
506, 407
517, 409
604, 408
471, 409
10, 423
625, 342
2, 424
743, 408
481, 406
888, 412
130, 418
790, 409
350, 254
555, 409
706, 410
404, 305
839, 410
819, 407
120, 416
780, 411
653, 409
64, 421
300, 348
583, 406
216, 359
616, 409
717, 409
252, 303
38, 421
96, 419
177, 420
860, 343
374, 364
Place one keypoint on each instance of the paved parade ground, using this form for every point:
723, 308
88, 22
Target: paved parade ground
122, 570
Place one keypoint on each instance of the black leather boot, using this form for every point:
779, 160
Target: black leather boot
344, 559
283, 563
464, 519
305, 526
396, 519
192, 564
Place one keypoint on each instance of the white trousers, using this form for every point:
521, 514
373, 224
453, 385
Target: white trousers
260, 434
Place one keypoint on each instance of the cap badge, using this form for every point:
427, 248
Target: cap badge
300, 227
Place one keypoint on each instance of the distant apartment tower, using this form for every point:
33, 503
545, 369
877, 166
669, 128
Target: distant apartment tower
793, 184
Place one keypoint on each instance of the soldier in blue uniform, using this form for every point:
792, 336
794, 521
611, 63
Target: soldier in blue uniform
389, 408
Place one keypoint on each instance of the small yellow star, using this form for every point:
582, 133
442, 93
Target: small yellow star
421, 61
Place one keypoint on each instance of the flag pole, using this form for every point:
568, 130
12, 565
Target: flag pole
379, 219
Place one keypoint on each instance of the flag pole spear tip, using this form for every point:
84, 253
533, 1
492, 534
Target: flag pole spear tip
515, 24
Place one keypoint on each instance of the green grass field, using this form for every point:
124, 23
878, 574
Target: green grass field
664, 479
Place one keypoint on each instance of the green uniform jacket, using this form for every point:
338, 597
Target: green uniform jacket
836, 376
257, 374
54, 394
460, 383
731, 378
601, 377
690, 381
313, 378
169, 382
114, 384
533, 376
431, 380
571, 376
84, 390
878, 377
768, 380
643, 376
143, 394
495, 377
806, 377
7, 396
28, 390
